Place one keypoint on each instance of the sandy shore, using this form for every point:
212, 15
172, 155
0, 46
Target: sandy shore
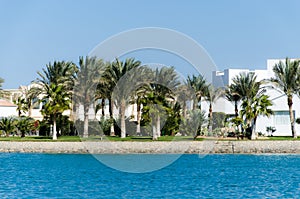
203, 147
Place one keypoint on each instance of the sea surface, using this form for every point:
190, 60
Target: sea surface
190, 176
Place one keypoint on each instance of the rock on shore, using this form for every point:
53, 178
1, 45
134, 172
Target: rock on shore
196, 147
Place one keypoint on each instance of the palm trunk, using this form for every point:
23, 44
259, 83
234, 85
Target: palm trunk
122, 117
111, 110
29, 112
210, 118
54, 134
199, 104
184, 109
292, 119
236, 109
253, 133
158, 132
103, 107
194, 104
154, 131
138, 117
86, 121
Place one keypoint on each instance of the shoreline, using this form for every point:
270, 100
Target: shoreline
180, 147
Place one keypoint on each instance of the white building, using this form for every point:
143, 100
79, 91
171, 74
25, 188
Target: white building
280, 120
7, 108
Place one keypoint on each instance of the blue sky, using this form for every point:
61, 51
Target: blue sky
236, 34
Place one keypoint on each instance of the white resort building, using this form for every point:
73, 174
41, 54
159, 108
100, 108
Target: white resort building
280, 120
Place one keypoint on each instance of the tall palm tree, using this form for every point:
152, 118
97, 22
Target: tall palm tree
114, 73
87, 79
60, 72
212, 95
287, 78
3, 93
245, 87
140, 90
184, 94
55, 101
162, 91
54, 85
1, 90
199, 84
21, 105
232, 94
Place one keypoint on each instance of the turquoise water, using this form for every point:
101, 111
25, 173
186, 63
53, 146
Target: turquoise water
191, 176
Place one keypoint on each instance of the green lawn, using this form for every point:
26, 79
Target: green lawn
41, 139
129, 139
149, 138
283, 138
106, 138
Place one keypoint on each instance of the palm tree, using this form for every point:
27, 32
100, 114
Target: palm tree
21, 105
194, 118
1, 90
140, 81
232, 94
25, 125
55, 101
246, 85
287, 80
212, 95
7, 124
88, 77
183, 96
162, 91
102, 92
246, 88
60, 72
54, 84
199, 85
254, 108
114, 73
3, 93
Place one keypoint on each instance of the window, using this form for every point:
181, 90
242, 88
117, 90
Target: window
35, 103
282, 117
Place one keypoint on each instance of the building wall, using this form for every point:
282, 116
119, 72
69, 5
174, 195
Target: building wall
7, 111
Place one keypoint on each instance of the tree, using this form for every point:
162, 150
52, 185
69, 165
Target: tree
7, 124
199, 85
25, 125
246, 86
232, 94
21, 105
55, 85
162, 90
3, 93
287, 78
254, 108
88, 77
194, 118
140, 89
55, 101
114, 73
212, 95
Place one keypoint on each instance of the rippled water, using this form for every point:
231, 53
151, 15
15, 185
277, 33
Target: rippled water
191, 176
